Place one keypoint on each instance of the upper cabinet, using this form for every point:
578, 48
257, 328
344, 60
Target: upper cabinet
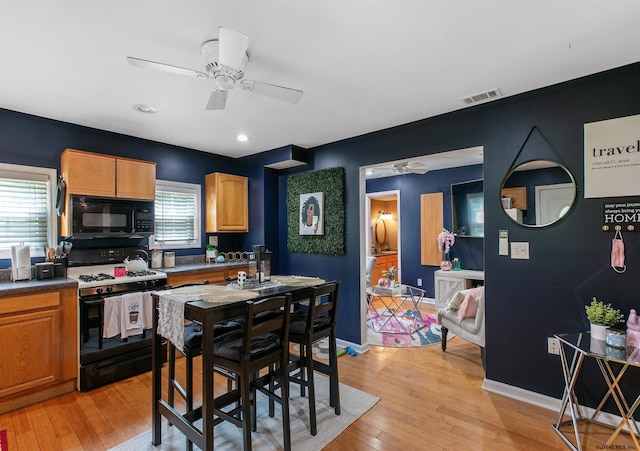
227, 202
103, 175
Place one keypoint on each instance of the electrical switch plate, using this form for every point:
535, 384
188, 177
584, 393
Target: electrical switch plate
553, 345
419, 282
520, 250
213, 240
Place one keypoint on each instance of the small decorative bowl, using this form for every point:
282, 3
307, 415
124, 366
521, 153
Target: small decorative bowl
616, 338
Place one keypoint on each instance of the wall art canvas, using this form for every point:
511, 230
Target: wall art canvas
612, 157
311, 214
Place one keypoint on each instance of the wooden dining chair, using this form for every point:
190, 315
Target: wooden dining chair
192, 349
263, 343
309, 325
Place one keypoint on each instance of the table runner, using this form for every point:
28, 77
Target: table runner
171, 305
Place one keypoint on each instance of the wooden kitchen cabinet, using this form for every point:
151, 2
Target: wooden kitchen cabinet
104, 175
383, 262
227, 202
39, 347
211, 275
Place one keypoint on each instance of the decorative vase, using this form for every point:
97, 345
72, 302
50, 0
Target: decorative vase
445, 264
598, 332
384, 282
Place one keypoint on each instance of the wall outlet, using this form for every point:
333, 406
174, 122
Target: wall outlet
419, 282
213, 241
553, 346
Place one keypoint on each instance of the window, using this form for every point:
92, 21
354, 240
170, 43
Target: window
476, 213
27, 211
177, 216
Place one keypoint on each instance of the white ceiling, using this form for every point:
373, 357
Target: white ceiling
364, 65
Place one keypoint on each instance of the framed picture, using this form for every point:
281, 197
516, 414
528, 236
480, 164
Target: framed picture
312, 214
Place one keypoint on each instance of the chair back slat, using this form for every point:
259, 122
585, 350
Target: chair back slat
270, 315
323, 302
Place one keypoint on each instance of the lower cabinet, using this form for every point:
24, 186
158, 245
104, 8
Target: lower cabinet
213, 275
383, 262
38, 345
448, 283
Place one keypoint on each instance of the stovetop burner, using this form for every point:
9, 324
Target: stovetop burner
141, 273
95, 277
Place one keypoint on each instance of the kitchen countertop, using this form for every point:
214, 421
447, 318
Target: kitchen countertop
20, 287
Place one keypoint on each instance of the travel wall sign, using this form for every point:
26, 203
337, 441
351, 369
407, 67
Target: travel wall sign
621, 216
612, 157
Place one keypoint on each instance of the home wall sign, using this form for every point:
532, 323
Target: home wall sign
621, 216
612, 157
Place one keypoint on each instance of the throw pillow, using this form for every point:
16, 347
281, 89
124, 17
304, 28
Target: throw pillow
469, 306
457, 300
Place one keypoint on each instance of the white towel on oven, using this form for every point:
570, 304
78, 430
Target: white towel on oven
132, 315
147, 301
112, 307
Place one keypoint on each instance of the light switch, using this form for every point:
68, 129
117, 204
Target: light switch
503, 245
520, 250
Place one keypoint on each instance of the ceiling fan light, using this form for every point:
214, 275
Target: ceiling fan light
224, 82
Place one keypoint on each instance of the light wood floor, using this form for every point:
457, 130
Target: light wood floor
429, 400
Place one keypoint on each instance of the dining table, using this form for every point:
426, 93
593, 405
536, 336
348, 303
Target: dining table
207, 305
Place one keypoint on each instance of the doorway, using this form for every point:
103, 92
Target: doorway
383, 232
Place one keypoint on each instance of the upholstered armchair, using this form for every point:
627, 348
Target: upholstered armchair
464, 316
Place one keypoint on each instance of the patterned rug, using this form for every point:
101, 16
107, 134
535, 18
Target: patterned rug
406, 329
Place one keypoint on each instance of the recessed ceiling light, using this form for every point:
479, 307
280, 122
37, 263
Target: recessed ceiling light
242, 138
144, 108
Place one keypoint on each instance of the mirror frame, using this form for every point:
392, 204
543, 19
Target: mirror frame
384, 224
572, 180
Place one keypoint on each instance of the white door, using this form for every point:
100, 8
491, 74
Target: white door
553, 201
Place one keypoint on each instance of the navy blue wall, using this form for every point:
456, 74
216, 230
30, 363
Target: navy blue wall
526, 300
36, 141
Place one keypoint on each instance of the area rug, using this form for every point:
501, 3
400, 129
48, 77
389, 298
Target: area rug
427, 331
353, 404
4, 446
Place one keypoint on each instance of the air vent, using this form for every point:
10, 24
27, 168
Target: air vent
481, 97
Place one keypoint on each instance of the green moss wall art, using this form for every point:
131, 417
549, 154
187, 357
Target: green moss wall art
321, 195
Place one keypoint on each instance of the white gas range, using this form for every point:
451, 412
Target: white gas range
104, 280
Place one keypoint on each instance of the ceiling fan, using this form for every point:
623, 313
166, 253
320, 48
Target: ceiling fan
405, 167
225, 60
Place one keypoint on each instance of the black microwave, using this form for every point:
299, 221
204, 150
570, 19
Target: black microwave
93, 217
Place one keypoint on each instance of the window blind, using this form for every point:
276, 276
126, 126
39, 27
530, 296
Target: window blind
24, 213
175, 215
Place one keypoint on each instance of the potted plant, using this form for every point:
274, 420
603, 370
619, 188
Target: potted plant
601, 316
211, 253
389, 274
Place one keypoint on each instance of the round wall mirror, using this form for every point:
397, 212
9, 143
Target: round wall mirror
381, 232
538, 193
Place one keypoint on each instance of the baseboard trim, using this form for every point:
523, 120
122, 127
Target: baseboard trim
360, 349
546, 402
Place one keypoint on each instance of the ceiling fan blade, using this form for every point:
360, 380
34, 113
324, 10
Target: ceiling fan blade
417, 170
218, 100
145, 64
276, 92
233, 49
